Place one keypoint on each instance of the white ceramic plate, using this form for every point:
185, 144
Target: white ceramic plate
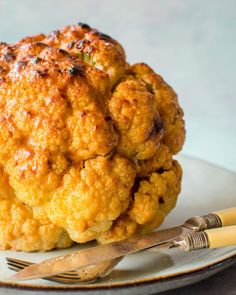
205, 188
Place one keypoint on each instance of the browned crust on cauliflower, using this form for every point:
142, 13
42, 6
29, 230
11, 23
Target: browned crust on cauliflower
155, 197
89, 45
167, 105
86, 142
133, 110
20, 230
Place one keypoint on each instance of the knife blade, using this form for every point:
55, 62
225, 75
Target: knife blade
97, 254
165, 238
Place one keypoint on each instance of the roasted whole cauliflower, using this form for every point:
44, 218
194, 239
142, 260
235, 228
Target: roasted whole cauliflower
86, 142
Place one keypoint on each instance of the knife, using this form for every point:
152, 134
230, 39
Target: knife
196, 233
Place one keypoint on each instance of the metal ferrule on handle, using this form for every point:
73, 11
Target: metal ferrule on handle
194, 241
212, 238
226, 217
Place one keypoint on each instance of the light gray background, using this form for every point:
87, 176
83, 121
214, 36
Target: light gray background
191, 43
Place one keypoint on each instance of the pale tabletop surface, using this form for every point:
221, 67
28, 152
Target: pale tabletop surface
191, 43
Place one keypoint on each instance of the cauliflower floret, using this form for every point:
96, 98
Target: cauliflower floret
122, 228
167, 105
89, 45
133, 110
87, 204
159, 162
155, 197
86, 142
20, 230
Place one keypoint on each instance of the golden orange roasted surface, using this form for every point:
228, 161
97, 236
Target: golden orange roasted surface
86, 142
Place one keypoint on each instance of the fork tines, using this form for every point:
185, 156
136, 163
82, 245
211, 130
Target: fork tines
67, 277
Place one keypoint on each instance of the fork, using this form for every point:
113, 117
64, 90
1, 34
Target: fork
85, 275
90, 274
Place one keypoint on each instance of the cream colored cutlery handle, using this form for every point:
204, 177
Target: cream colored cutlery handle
216, 219
221, 237
210, 238
227, 216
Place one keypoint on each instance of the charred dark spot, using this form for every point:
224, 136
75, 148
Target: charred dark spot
54, 34
10, 57
64, 52
126, 101
41, 73
50, 164
102, 36
84, 26
161, 200
80, 44
96, 127
82, 114
1, 69
149, 87
160, 170
76, 70
3, 44
159, 125
71, 44
36, 60
136, 185
145, 178
108, 118
20, 64
40, 44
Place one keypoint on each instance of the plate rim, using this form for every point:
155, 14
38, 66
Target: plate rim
231, 259
220, 263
